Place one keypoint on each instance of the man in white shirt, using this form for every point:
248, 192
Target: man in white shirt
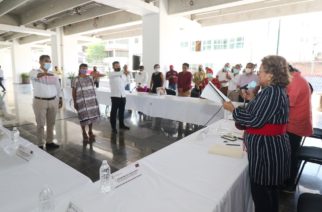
117, 85
141, 78
1, 80
47, 99
224, 77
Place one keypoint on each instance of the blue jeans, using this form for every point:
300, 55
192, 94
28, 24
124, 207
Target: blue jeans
173, 87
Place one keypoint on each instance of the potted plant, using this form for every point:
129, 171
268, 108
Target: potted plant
25, 78
71, 76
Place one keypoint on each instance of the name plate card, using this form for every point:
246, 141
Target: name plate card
73, 208
24, 152
126, 175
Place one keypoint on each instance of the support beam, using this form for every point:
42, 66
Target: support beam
134, 6
15, 36
121, 34
23, 29
8, 6
89, 14
5, 43
33, 39
228, 16
186, 7
9, 19
102, 23
49, 8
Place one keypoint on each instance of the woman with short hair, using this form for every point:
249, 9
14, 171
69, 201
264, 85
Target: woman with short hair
264, 120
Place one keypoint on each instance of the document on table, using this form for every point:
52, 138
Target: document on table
230, 150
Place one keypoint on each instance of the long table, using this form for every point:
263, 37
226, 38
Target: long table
184, 109
21, 181
181, 177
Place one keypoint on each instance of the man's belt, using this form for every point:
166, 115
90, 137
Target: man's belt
41, 98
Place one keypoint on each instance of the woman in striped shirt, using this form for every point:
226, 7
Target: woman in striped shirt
264, 120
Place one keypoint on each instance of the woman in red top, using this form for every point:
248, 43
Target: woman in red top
209, 76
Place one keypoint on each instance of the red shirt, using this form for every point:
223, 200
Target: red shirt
300, 115
172, 76
184, 81
214, 81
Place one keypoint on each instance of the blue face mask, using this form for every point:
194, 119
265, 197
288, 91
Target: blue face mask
236, 71
252, 85
209, 75
47, 66
226, 68
82, 71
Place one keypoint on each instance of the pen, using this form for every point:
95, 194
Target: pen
233, 144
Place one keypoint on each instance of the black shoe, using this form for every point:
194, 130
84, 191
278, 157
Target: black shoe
52, 146
289, 189
41, 146
114, 131
124, 127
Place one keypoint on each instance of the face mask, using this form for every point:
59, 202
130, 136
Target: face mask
47, 66
252, 84
209, 75
236, 71
226, 68
82, 71
156, 69
117, 69
248, 70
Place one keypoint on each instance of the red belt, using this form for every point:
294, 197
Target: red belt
268, 130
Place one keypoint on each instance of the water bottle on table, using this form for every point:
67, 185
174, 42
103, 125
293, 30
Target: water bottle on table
46, 200
105, 177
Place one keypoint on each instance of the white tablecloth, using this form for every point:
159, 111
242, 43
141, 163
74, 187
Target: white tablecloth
184, 109
21, 181
181, 177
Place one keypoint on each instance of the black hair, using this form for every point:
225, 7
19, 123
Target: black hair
186, 64
83, 65
43, 57
115, 62
141, 67
156, 65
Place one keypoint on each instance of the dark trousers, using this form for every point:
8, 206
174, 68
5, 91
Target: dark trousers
97, 84
295, 141
1, 79
118, 105
265, 198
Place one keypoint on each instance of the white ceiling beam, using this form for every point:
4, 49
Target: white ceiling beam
49, 8
102, 23
263, 13
121, 34
91, 13
8, 6
9, 19
5, 43
186, 7
23, 29
138, 7
33, 39
15, 36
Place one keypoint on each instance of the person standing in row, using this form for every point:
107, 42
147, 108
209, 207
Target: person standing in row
47, 99
265, 120
96, 75
184, 81
118, 98
157, 79
223, 76
85, 102
233, 93
127, 77
172, 77
1, 80
141, 79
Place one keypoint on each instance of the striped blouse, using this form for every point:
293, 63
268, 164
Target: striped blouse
268, 156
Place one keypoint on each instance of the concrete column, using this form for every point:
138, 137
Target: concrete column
56, 48
21, 60
70, 57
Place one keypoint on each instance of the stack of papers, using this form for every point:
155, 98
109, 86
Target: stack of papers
227, 150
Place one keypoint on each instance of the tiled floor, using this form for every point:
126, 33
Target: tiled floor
146, 136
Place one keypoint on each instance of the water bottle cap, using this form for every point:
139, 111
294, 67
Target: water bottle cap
46, 193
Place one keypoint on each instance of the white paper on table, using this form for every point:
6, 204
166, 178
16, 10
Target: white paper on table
212, 93
226, 150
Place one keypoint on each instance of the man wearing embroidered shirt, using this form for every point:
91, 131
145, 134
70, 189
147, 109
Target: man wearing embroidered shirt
117, 85
47, 99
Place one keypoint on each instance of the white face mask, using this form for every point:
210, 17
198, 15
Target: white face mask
248, 70
157, 69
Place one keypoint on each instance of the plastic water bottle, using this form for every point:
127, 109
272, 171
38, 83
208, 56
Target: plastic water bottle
15, 135
105, 177
46, 200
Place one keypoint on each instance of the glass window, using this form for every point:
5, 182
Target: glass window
240, 42
232, 43
206, 45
